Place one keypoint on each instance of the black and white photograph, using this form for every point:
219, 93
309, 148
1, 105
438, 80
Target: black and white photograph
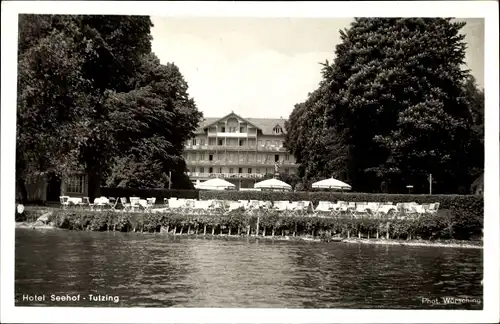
161, 159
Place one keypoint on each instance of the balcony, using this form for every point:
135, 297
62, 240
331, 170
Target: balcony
226, 175
237, 162
261, 148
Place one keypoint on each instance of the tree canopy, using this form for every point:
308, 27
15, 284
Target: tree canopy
93, 97
393, 107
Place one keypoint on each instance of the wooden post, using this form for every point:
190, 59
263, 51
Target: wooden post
257, 230
205, 230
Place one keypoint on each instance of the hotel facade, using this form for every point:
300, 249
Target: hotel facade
239, 150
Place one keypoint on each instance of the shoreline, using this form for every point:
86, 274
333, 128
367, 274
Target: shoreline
352, 240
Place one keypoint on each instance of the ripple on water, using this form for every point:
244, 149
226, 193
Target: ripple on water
161, 271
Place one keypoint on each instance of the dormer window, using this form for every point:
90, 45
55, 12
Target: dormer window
277, 130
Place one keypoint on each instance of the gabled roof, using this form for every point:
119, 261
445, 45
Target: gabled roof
266, 125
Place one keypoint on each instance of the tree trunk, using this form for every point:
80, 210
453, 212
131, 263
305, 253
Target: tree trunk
387, 231
257, 230
189, 229
295, 231
368, 235
175, 230
264, 231
22, 190
94, 185
377, 234
312, 233
229, 234
248, 230
168, 227
213, 230
272, 232
205, 230
239, 230
348, 234
359, 234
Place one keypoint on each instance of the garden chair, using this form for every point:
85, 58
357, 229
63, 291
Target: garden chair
126, 206
134, 203
323, 208
361, 209
433, 208
150, 202
64, 201
373, 209
85, 202
112, 203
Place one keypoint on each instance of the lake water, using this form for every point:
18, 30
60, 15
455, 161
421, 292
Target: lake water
153, 270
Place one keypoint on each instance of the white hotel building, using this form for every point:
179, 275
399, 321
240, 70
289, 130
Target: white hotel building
239, 150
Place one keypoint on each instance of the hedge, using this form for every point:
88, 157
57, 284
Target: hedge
443, 225
159, 194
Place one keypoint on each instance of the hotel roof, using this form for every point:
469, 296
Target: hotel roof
266, 125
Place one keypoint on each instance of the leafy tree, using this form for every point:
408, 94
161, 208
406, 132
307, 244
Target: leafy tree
101, 72
395, 94
152, 124
53, 98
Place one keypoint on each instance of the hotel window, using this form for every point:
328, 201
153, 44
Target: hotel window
211, 141
241, 142
194, 141
276, 158
211, 157
257, 170
249, 170
219, 170
268, 143
202, 142
75, 184
232, 129
202, 156
210, 170
223, 129
202, 170
242, 129
287, 157
240, 170
260, 143
277, 130
219, 142
231, 170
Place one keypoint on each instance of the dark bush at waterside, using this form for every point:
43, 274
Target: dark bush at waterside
443, 225
159, 194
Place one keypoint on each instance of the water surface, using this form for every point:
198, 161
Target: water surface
148, 270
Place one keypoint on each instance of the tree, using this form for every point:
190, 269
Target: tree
151, 126
395, 93
53, 98
101, 72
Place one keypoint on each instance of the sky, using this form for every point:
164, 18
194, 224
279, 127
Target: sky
262, 67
